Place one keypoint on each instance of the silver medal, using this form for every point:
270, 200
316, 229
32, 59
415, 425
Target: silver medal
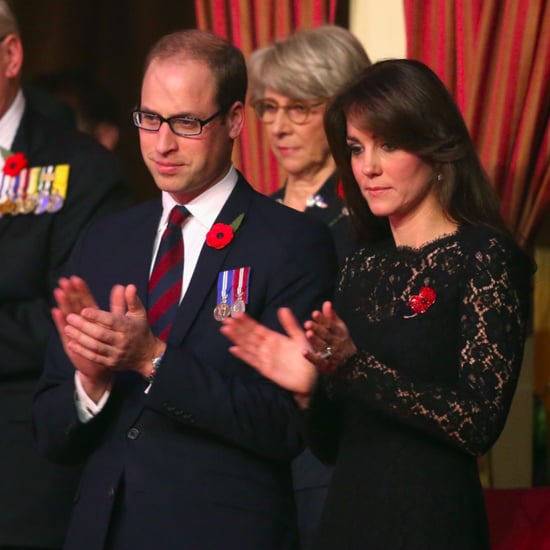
238, 306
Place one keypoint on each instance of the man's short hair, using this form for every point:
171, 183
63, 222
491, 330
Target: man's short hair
8, 22
225, 60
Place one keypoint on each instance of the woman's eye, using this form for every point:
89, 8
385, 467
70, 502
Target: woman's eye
388, 147
354, 150
269, 108
298, 108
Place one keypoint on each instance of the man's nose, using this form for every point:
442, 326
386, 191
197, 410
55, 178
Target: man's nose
166, 139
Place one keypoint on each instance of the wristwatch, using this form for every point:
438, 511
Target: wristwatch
156, 364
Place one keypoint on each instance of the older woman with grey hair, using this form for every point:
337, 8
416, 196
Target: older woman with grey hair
291, 83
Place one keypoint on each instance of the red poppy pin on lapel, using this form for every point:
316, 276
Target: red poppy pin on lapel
221, 234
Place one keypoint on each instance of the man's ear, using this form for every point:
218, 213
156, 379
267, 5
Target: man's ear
107, 134
235, 119
12, 56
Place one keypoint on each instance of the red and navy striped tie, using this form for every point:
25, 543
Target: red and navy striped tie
166, 278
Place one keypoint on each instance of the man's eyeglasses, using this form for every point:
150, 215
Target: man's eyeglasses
184, 126
296, 111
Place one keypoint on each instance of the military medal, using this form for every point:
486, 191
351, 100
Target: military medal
240, 290
232, 292
19, 185
7, 206
4, 194
27, 204
222, 309
42, 201
45, 183
59, 188
238, 306
39, 189
55, 202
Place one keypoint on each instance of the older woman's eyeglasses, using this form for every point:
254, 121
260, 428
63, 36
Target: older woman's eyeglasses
184, 126
296, 111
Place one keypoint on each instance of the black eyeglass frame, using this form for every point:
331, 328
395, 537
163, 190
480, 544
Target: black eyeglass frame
202, 123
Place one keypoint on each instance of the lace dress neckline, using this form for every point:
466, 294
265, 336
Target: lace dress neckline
437, 242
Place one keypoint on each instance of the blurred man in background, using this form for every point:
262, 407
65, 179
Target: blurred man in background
53, 182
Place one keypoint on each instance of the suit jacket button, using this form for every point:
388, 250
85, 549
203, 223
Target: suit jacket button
111, 492
133, 433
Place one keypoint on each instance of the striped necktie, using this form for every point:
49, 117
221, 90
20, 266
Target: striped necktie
166, 278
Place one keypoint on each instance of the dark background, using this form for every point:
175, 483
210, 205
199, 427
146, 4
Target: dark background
108, 39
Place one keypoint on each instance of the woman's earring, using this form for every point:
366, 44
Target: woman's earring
439, 176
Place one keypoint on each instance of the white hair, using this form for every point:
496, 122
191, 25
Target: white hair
309, 64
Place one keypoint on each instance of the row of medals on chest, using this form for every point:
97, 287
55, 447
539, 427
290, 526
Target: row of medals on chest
36, 190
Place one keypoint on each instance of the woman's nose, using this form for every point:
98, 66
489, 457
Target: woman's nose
281, 123
370, 165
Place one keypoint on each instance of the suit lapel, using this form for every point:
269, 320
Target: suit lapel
211, 262
29, 138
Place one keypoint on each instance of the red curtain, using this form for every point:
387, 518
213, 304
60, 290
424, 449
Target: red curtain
250, 24
494, 57
519, 519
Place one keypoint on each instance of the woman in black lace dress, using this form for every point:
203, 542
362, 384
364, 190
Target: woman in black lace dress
410, 375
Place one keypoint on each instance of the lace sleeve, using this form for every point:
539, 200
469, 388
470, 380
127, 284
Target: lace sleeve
471, 413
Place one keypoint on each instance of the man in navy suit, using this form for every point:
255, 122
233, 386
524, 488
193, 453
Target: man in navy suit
185, 446
53, 182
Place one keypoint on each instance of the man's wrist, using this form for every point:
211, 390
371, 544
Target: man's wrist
95, 387
155, 364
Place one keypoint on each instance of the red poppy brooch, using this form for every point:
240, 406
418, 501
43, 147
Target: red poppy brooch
14, 163
421, 302
221, 234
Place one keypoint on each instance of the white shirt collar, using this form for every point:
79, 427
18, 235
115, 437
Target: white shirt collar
205, 207
9, 123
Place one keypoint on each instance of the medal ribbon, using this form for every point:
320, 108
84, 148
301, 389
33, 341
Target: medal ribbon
25, 176
61, 180
4, 186
240, 284
33, 182
225, 281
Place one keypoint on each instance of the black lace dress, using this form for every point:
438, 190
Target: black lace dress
406, 417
